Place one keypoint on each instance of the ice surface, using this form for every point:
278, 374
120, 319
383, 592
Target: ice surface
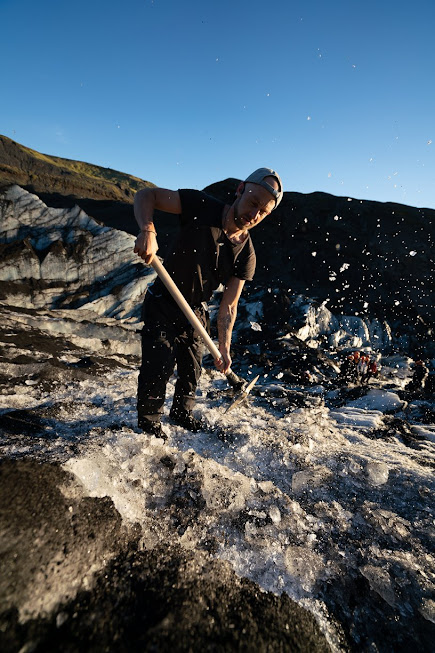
243, 495
358, 417
377, 399
426, 431
291, 501
357, 327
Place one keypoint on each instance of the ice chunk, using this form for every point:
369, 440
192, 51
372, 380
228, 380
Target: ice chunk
358, 417
266, 486
304, 565
380, 582
310, 478
275, 514
223, 490
377, 473
300, 481
427, 609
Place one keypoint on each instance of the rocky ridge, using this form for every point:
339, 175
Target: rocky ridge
356, 256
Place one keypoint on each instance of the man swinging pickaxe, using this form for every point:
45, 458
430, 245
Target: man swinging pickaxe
213, 247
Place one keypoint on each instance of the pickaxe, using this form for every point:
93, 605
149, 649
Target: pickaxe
241, 386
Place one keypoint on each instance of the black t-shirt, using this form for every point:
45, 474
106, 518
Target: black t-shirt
202, 256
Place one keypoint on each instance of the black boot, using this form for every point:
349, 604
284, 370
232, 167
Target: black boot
186, 419
152, 427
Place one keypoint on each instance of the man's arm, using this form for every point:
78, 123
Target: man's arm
226, 318
145, 203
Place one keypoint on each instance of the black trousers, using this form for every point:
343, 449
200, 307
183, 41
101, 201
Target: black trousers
168, 340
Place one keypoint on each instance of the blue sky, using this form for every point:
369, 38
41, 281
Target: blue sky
337, 96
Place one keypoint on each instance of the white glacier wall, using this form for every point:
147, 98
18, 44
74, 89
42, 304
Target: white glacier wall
62, 258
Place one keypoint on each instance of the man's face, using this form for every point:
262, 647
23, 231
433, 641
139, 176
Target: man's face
253, 204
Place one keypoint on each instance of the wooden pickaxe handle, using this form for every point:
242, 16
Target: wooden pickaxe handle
169, 283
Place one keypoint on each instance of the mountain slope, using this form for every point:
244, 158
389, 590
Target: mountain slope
105, 194
52, 174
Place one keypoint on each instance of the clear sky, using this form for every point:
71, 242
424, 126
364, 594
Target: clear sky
338, 96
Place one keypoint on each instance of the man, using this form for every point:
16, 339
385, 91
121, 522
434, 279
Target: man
213, 247
372, 371
347, 369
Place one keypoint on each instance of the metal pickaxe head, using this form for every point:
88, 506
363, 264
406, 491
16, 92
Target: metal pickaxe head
242, 393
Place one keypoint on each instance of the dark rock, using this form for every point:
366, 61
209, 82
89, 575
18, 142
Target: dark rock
386, 250
73, 580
